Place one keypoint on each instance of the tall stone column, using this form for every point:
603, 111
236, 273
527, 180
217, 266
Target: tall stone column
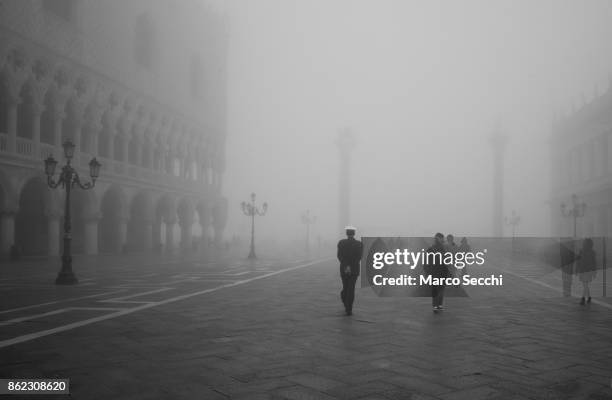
205, 214
76, 139
54, 234
11, 125
498, 142
122, 231
36, 113
219, 218
7, 230
58, 118
91, 235
139, 152
151, 155
148, 234
345, 143
156, 233
111, 144
186, 235
170, 235
93, 139
162, 159
125, 143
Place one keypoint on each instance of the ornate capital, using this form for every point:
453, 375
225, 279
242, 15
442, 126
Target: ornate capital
79, 99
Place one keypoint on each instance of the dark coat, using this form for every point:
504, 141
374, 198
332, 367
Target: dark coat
350, 251
436, 268
586, 261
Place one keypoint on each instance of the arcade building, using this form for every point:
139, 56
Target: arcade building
138, 84
581, 155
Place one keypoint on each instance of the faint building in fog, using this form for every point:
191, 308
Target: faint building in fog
139, 84
581, 154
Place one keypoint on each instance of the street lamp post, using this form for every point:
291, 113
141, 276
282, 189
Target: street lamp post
251, 210
69, 178
513, 221
577, 211
308, 220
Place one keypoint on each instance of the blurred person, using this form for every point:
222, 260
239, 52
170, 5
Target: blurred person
568, 258
464, 247
586, 269
437, 269
451, 246
350, 251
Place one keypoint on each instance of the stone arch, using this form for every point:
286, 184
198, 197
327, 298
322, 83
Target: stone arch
84, 217
10, 195
112, 227
31, 225
186, 213
164, 223
9, 201
219, 217
140, 226
204, 212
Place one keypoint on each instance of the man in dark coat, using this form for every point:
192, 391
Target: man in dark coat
437, 269
349, 255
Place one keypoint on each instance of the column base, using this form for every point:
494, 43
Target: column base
66, 278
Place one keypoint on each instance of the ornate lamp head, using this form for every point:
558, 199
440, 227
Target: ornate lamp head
94, 169
68, 149
50, 164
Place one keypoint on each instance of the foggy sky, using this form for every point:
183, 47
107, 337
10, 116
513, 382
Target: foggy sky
421, 84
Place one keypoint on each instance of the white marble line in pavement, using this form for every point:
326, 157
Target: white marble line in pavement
67, 327
55, 312
123, 299
61, 301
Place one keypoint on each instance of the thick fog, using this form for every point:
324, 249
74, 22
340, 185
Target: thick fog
422, 85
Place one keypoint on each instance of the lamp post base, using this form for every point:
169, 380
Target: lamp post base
66, 278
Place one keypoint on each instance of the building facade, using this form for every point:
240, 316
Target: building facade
139, 84
581, 154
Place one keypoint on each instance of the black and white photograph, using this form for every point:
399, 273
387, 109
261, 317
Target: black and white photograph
306, 199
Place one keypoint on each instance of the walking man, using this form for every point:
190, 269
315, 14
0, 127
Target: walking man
349, 255
437, 269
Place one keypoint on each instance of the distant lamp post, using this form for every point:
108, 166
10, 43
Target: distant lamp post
251, 210
513, 221
69, 178
308, 220
576, 211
